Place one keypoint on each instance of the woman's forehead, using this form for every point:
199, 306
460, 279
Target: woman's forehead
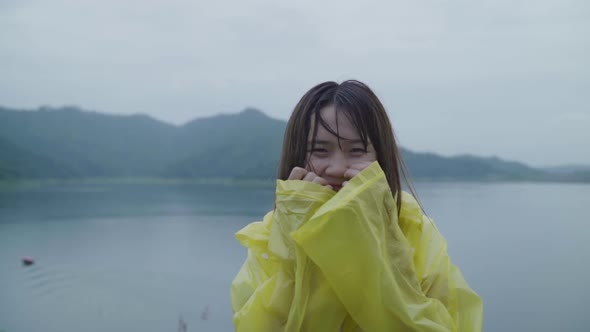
337, 122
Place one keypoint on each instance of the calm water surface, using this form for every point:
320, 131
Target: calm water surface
142, 257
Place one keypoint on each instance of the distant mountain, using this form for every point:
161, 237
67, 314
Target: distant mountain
17, 163
567, 169
90, 143
69, 142
574, 173
467, 167
244, 145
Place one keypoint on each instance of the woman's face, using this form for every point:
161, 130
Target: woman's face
330, 159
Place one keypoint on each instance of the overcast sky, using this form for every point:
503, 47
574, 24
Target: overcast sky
507, 78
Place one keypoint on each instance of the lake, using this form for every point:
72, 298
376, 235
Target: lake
143, 257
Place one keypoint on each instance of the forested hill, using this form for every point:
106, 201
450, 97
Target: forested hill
72, 143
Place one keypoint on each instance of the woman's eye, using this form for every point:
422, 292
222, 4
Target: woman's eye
358, 150
318, 150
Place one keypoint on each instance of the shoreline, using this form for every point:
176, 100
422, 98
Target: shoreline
239, 182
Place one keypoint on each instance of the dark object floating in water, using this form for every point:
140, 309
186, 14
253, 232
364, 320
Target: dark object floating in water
28, 261
205, 314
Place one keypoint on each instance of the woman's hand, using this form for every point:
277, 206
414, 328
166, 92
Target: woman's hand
299, 173
354, 169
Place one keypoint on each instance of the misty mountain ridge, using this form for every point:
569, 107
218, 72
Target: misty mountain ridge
69, 142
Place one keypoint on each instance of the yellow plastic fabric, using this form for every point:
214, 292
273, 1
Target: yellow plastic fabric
327, 261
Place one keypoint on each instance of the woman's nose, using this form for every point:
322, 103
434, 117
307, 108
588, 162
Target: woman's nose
338, 165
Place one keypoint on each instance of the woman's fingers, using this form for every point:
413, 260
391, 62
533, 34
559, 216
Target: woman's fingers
354, 169
297, 173
310, 177
320, 180
350, 173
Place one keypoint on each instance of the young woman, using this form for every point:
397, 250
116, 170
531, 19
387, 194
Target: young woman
345, 249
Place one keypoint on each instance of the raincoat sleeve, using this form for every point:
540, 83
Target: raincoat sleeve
391, 273
264, 291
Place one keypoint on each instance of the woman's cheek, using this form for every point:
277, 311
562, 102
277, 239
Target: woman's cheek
370, 157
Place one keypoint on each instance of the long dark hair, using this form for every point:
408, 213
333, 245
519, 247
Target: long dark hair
362, 107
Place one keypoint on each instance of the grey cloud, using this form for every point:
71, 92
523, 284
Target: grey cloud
502, 71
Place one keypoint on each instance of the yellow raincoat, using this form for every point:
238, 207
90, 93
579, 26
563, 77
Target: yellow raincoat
327, 261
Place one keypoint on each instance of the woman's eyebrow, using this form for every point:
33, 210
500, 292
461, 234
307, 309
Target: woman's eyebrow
356, 141
319, 142
349, 141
